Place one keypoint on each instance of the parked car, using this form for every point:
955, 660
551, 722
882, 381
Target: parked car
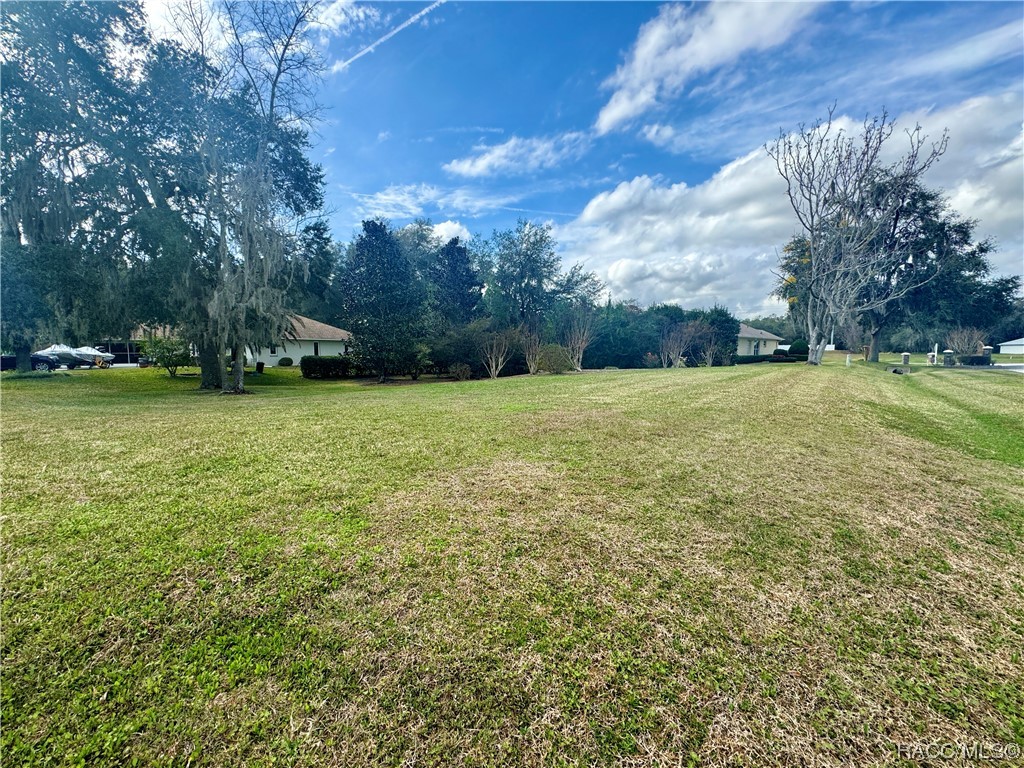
39, 362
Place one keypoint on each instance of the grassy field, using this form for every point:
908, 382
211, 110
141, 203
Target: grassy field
755, 566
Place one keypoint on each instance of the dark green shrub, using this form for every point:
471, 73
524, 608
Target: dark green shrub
780, 353
321, 367
798, 358
973, 360
285, 362
461, 371
554, 358
778, 359
746, 359
799, 347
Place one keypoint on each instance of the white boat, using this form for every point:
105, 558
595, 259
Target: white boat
94, 354
82, 356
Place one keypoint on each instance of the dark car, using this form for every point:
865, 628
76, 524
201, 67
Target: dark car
39, 362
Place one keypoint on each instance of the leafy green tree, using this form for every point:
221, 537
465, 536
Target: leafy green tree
65, 95
455, 285
382, 301
23, 309
316, 263
526, 272
168, 352
624, 334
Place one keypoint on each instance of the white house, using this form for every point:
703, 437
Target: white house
1014, 347
754, 341
306, 337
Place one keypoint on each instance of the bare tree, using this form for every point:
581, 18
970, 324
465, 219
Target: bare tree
688, 336
710, 351
495, 351
578, 334
529, 342
665, 345
679, 339
966, 341
832, 181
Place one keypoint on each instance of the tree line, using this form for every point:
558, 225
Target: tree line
499, 305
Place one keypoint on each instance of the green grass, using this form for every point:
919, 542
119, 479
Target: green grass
760, 565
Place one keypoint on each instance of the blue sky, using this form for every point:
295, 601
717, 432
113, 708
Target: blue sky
636, 128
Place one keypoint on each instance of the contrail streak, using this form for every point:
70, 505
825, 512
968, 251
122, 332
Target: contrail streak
340, 65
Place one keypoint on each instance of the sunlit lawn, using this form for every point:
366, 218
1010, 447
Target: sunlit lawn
760, 565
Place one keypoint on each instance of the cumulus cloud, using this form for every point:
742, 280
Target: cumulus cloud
519, 156
654, 240
683, 42
982, 171
657, 241
446, 230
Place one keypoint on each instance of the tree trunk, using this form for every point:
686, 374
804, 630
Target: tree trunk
876, 333
817, 352
211, 365
23, 355
235, 383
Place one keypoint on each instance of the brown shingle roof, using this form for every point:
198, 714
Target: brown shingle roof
308, 329
747, 332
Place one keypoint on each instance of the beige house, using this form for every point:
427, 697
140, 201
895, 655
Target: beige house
754, 341
306, 337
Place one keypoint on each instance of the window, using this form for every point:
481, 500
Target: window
316, 348
273, 349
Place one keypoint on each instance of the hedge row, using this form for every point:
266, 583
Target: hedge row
321, 367
974, 360
777, 357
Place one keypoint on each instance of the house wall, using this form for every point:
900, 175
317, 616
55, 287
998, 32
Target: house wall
296, 350
747, 346
1011, 349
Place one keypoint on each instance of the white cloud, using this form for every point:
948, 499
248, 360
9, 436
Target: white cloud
383, 136
716, 241
982, 171
664, 136
339, 17
410, 201
519, 156
966, 55
683, 42
446, 230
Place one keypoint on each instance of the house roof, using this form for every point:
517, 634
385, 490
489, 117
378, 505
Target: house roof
312, 330
746, 332
1012, 342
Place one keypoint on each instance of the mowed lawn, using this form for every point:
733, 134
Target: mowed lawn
767, 565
